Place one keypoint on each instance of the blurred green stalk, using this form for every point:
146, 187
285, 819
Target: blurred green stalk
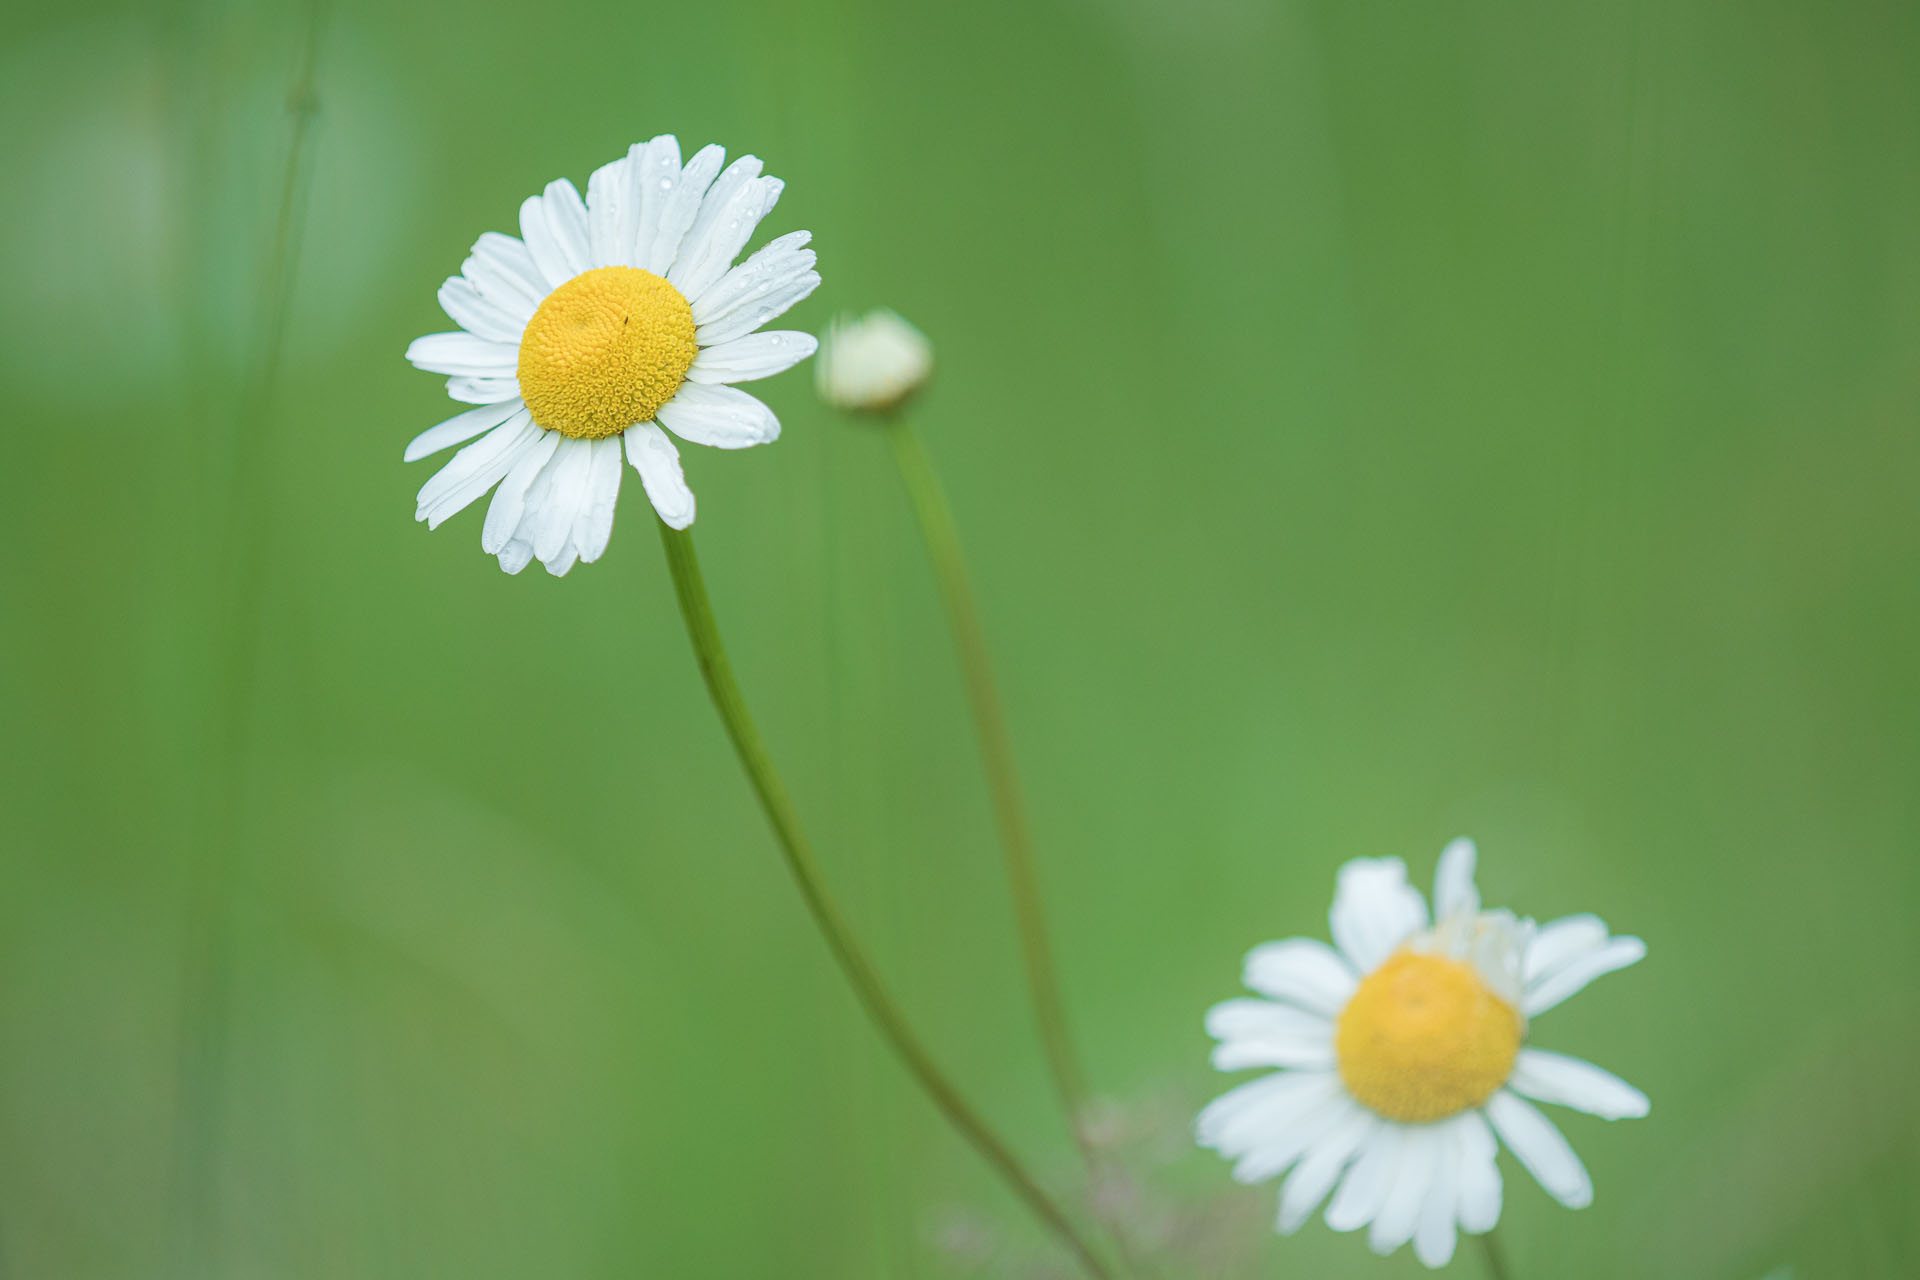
208, 963
1496, 1258
704, 631
942, 536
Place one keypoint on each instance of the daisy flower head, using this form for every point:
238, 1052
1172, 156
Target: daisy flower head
1403, 1059
607, 319
872, 363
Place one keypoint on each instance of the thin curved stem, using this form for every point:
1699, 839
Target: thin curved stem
704, 631
1495, 1256
942, 537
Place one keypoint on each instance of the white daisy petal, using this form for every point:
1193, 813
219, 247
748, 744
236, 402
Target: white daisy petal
726, 222
765, 270
751, 314
1479, 1173
1241, 1118
459, 429
1413, 1180
509, 503
1453, 888
1258, 1033
1576, 973
516, 555
548, 239
654, 169
1301, 971
474, 470
463, 353
682, 206
1374, 910
1364, 1190
562, 560
466, 308
1541, 1148
1434, 1232
1559, 941
564, 492
653, 455
718, 416
504, 272
611, 214
758, 355
1315, 1175
1571, 1082
567, 220
594, 525
691, 261
483, 390
1313, 1117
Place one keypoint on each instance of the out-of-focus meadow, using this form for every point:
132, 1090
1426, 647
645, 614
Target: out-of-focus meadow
1370, 424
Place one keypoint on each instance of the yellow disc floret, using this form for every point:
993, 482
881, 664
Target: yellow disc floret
604, 351
1423, 1038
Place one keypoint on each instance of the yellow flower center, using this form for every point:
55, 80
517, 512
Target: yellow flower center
1423, 1038
604, 351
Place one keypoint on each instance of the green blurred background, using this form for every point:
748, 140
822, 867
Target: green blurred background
1371, 423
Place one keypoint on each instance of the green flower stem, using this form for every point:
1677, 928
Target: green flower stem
942, 537
209, 963
704, 632
1495, 1256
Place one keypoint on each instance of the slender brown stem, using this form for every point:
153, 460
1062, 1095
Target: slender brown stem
704, 631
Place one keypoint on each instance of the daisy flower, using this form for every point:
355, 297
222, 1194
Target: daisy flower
608, 319
872, 363
1404, 1056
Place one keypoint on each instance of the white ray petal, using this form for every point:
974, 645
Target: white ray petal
1315, 1175
653, 168
509, 503
1302, 971
1454, 892
483, 390
1558, 941
1374, 910
1399, 1212
1259, 1033
474, 470
758, 355
593, 526
764, 309
1479, 1195
682, 207
1318, 1115
466, 308
1555, 1077
1364, 1190
459, 429
766, 269
718, 416
1239, 1118
567, 477
463, 353
1539, 1146
1576, 973
504, 272
1433, 1233
653, 455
